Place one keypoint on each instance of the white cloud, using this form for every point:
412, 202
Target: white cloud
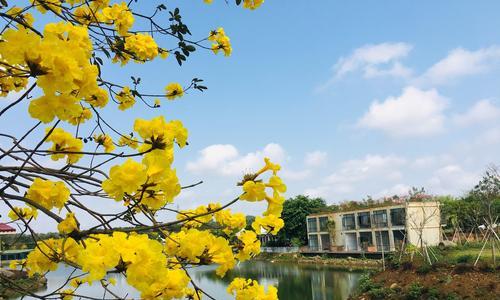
295, 175
321, 192
370, 167
226, 160
212, 157
397, 189
368, 58
482, 111
414, 113
452, 179
462, 62
315, 158
396, 70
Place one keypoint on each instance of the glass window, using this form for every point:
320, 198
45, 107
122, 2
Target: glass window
398, 217
325, 242
365, 240
313, 242
382, 238
380, 218
323, 223
312, 225
348, 222
364, 220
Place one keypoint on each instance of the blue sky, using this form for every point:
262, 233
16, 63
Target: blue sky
354, 98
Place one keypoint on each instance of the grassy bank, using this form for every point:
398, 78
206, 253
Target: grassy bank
452, 276
341, 263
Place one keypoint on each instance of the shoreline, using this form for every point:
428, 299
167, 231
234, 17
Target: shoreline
349, 263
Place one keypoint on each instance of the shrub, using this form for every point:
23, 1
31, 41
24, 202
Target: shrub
463, 268
366, 284
467, 258
485, 267
424, 269
407, 265
415, 291
378, 293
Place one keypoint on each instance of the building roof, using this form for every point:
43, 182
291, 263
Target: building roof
6, 228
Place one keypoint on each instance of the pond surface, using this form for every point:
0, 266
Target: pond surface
293, 281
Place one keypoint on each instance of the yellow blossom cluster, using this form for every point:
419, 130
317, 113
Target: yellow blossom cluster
125, 98
248, 289
106, 141
68, 225
142, 46
208, 249
120, 16
153, 182
128, 141
174, 90
255, 190
25, 213
60, 60
141, 258
248, 4
47, 193
64, 145
220, 41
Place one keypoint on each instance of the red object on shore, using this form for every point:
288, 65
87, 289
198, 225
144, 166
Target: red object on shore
4, 228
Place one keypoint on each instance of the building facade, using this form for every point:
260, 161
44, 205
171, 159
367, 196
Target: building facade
375, 229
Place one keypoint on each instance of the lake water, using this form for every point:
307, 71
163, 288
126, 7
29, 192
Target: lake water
293, 281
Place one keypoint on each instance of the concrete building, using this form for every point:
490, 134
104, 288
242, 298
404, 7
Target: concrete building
382, 228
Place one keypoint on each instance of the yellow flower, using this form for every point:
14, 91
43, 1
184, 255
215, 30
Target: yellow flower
248, 289
25, 213
223, 44
252, 4
142, 46
270, 223
120, 15
158, 134
106, 141
269, 167
174, 90
64, 142
230, 222
85, 115
44, 5
48, 193
128, 141
250, 245
126, 178
68, 225
253, 191
125, 98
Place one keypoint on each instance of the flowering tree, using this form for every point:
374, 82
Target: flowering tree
54, 67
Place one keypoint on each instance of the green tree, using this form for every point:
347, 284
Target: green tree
294, 215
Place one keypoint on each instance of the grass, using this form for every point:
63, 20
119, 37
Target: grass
472, 250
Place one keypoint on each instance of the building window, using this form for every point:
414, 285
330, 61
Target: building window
313, 242
398, 217
365, 240
325, 242
382, 238
312, 225
399, 239
348, 222
380, 218
323, 223
364, 220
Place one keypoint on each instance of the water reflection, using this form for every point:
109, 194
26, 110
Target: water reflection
293, 281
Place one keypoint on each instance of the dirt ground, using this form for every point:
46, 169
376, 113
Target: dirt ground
464, 282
